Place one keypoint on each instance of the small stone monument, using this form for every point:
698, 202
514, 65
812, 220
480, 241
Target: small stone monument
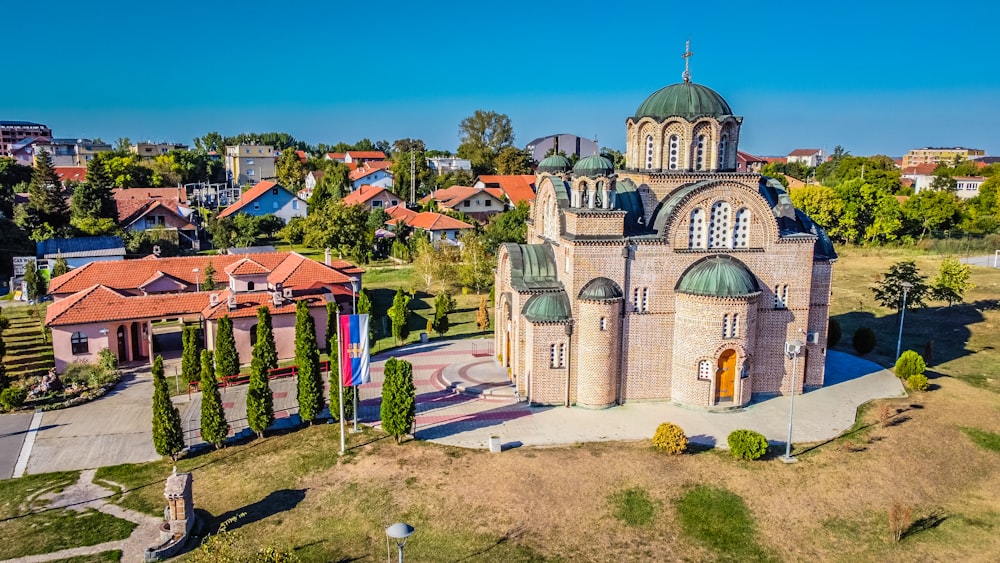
179, 517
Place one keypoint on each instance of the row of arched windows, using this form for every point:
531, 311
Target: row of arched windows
673, 156
722, 231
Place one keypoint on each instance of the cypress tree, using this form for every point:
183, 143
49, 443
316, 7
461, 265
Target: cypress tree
331, 327
399, 314
399, 399
310, 381
214, 428
365, 308
59, 268
265, 334
442, 305
168, 437
190, 368
208, 283
227, 358
46, 214
260, 399
483, 315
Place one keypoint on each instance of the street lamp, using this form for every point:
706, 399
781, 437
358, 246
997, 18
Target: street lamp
792, 350
354, 294
399, 532
197, 282
902, 315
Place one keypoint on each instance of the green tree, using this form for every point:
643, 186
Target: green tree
399, 315
260, 398
168, 436
399, 404
208, 277
310, 380
509, 226
36, 285
340, 227
46, 214
403, 150
442, 305
190, 368
930, 211
512, 160
227, 358
483, 315
59, 268
822, 205
615, 156
12, 173
289, 168
332, 187
482, 136
952, 281
889, 291
214, 428
331, 326
92, 205
476, 268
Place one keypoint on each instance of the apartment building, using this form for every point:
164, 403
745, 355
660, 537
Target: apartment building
150, 149
249, 164
935, 155
12, 132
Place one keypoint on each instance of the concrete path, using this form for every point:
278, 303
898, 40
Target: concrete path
13, 430
990, 261
86, 494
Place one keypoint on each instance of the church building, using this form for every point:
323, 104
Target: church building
675, 279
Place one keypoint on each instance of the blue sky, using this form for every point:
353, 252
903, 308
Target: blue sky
874, 76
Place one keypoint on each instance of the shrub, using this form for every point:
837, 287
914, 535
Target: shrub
747, 444
900, 519
77, 372
909, 363
670, 438
833, 333
917, 382
864, 340
12, 398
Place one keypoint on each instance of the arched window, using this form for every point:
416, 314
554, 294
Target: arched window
675, 143
696, 234
725, 326
741, 229
719, 228
705, 370
734, 328
699, 157
781, 297
604, 323
551, 230
649, 151
723, 147
249, 286
79, 343
253, 335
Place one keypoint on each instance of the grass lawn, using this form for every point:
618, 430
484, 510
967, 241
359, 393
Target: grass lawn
23, 515
29, 351
103, 557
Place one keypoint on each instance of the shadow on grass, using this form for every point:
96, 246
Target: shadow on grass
929, 522
511, 535
275, 502
894, 420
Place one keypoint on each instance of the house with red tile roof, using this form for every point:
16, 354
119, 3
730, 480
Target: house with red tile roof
516, 188
121, 305
809, 157
921, 176
361, 157
441, 228
142, 209
746, 162
268, 198
71, 173
372, 197
372, 174
478, 203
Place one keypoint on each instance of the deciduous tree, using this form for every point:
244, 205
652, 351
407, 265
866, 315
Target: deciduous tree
889, 291
289, 168
398, 410
482, 136
310, 381
512, 160
168, 436
952, 281
476, 268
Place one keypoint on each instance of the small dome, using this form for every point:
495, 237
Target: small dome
546, 307
555, 164
718, 276
600, 289
687, 100
594, 166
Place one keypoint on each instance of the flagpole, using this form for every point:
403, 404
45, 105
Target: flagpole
340, 383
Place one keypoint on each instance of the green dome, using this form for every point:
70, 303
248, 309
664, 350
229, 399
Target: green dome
554, 164
687, 100
547, 307
718, 276
600, 289
594, 166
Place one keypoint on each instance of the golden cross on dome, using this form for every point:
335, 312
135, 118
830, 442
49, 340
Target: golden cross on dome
687, 60
354, 351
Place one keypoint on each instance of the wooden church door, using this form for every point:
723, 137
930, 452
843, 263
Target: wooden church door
725, 379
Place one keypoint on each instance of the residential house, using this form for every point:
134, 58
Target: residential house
313, 178
268, 198
562, 142
746, 162
338, 156
371, 174
478, 203
516, 188
922, 175
150, 149
71, 173
23, 151
937, 155
249, 164
358, 158
445, 164
372, 197
80, 251
166, 209
810, 157
72, 152
108, 305
13, 132
440, 228
967, 187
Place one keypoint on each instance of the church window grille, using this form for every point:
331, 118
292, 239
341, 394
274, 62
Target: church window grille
781, 297
566, 264
723, 147
734, 327
604, 323
719, 229
674, 147
700, 157
635, 300
645, 299
705, 370
557, 355
741, 229
649, 151
725, 327
696, 236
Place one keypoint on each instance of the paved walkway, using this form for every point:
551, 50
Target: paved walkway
86, 494
13, 430
990, 261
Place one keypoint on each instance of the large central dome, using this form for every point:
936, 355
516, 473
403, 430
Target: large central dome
687, 100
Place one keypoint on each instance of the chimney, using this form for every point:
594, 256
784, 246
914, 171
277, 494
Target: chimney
287, 293
326, 257
213, 300
276, 298
231, 302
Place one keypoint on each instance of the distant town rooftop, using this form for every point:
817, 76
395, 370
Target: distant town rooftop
20, 124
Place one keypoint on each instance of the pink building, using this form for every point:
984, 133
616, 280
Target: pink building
120, 305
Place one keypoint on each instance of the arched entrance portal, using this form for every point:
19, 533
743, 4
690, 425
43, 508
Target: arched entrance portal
725, 377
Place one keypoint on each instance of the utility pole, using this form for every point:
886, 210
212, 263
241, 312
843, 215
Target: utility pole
413, 178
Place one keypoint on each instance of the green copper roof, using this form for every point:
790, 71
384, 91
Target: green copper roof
547, 307
532, 267
594, 166
718, 276
687, 100
601, 289
555, 163
663, 211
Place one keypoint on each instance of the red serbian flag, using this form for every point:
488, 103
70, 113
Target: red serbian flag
354, 350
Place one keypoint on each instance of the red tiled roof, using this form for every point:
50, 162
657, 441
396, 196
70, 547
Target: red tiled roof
346, 267
372, 155
803, 152
430, 221
365, 194
747, 157
517, 188
101, 304
299, 271
399, 213
369, 168
248, 197
71, 173
302, 155
450, 197
770, 159
158, 275
178, 194
248, 303
131, 210
921, 169
335, 156
246, 267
